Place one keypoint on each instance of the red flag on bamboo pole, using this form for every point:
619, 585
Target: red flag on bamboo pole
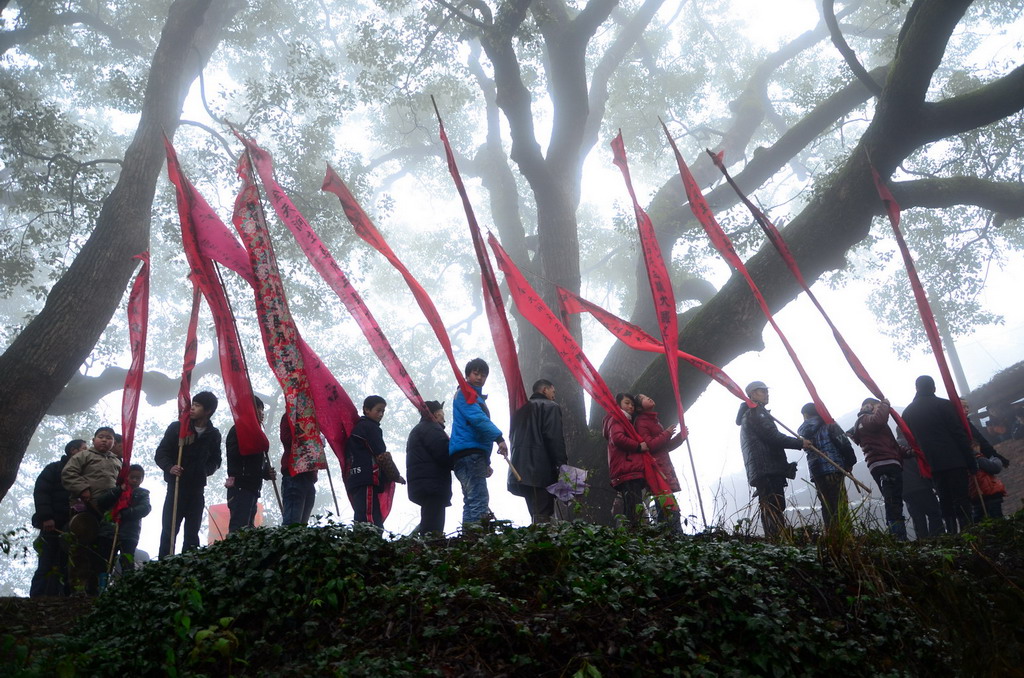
237, 388
322, 260
636, 338
501, 333
188, 364
776, 239
924, 309
537, 313
365, 229
138, 324
700, 208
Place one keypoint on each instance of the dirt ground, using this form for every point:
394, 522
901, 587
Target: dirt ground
40, 617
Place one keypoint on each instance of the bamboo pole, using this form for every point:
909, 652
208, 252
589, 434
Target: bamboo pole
174, 506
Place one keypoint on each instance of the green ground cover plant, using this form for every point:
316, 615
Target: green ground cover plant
571, 599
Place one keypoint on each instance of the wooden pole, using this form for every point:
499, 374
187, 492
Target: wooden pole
174, 506
696, 484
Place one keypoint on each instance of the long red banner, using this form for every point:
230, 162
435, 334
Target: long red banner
636, 338
923, 307
365, 229
138, 324
700, 208
237, 388
537, 313
322, 260
776, 239
501, 333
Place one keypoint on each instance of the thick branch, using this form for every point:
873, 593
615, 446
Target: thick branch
829, 14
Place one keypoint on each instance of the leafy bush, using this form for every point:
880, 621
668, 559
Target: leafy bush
566, 600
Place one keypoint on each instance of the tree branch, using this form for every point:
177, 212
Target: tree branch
829, 14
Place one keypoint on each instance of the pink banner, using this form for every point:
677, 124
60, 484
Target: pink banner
138, 324
923, 307
188, 364
328, 268
537, 313
501, 333
368, 232
237, 388
700, 208
636, 338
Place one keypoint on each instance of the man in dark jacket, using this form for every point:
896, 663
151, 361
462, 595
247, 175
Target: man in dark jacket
51, 518
429, 469
200, 458
936, 425
764, 456
538, 451
364, 481
246, 473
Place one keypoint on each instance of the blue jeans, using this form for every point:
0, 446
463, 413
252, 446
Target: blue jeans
298, 493
471, 470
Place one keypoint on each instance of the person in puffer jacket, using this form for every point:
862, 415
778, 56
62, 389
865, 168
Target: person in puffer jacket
884, 458
625, 460
660, 441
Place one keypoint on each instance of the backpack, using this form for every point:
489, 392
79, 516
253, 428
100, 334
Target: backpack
842, 444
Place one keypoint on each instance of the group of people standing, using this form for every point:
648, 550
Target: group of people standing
953, 486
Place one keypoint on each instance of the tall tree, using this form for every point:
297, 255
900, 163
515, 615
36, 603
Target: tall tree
44, 356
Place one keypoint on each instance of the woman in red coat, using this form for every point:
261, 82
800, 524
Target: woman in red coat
625, 460
660, 441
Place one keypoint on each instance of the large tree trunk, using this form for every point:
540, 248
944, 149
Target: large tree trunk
41, 360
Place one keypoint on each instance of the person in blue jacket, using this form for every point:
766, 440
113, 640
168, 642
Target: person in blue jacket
473, 436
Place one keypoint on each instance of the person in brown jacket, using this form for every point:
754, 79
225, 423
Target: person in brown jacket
884, 458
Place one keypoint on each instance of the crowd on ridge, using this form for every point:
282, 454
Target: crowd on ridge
953, 485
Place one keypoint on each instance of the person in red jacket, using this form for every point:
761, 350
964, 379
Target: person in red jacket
884, 458
660, 441
625, 460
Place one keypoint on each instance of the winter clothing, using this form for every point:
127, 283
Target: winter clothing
199, 459
131, 516
763, 445
992, 489
538, 451
90, 470
939, 431
298, 495
364, 477
428, 466
51, 499
871, 431
472, 429
248, 471
922, 504
625, 459
51, 503
660, 442
829, 481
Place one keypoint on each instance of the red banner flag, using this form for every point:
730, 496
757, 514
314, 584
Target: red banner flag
237, 388
280, 336
636, 338
658, 276
188, 364
537, 313
776, 239
700, 208
923, 307
138, 324
501, 333
320, 257
365, 229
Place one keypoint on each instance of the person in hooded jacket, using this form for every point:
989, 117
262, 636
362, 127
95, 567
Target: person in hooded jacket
884, 458
538, 451
829, 481
625, 460
51, 519
764, 458
428, 469
660, 441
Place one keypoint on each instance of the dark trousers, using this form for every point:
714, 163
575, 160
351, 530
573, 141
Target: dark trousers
831, 488
432, 516
771, 498
242, 507
540, 503
366, 506
890, 483
633, 501
191, 502
993, 508
925, 514
951, 486
298, 494
51, 576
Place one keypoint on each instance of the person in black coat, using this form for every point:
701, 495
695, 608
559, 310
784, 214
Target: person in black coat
51, 518
764, 457
538, 451
939, 431
429, 469
364, 481
200, 458
246, 473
